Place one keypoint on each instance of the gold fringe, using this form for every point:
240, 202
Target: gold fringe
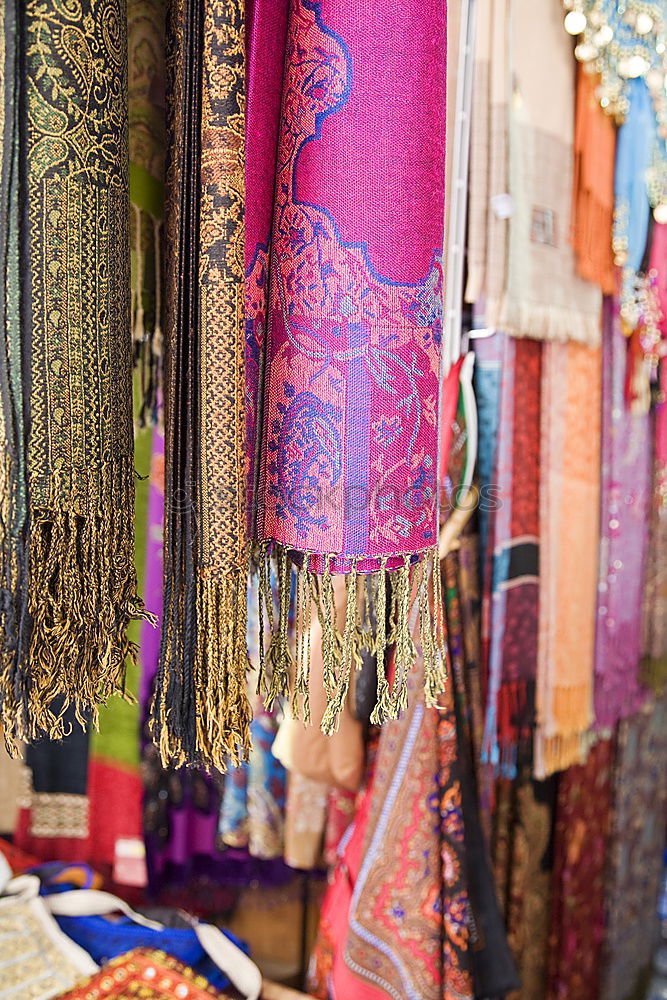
350, 652
279, 655
82, 595
412, 582
222, 708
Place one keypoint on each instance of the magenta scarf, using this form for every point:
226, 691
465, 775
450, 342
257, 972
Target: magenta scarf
624, 513
344, 326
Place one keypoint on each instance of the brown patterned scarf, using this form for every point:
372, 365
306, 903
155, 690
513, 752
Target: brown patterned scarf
67, 545
201, 707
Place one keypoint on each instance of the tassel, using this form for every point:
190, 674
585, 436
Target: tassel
405, 648
279, 655
331, 719
82, 595
300, 698
330, 638
383, 705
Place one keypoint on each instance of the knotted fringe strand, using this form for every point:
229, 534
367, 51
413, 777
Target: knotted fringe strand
14, 686
81, 597
222, 712
395, 590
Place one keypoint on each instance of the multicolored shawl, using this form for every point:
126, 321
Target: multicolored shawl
514, 548
516, 697
67, 535
624, 514
569, 516
583, 817
333, 432
540, 183
637, 842
399, 919
347, 443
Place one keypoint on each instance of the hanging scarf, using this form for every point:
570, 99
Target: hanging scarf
635, 859
514, 551
338, 453
541, 166
419, 946
202, 711
583, 815
624, 514
569, 512
348, 454
68, 553
632, 207
593, 189
654, 639
145, 28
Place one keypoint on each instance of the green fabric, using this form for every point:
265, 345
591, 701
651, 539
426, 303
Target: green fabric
146, 192
118, 736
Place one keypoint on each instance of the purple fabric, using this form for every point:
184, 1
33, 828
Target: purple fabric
181, 808
625, 495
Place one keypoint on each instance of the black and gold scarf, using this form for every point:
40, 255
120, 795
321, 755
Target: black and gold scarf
69, 583
201, 707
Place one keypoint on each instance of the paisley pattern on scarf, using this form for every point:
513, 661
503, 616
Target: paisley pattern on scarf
409, 934
350, 459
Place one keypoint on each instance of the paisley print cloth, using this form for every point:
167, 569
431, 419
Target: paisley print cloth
344, 319
399, 919
68, 556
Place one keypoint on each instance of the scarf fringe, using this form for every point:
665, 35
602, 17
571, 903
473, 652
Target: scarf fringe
284, 668
81, 597
211, 698
541, 322
202, 717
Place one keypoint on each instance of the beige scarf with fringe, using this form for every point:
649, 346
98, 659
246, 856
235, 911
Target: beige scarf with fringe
545, 297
